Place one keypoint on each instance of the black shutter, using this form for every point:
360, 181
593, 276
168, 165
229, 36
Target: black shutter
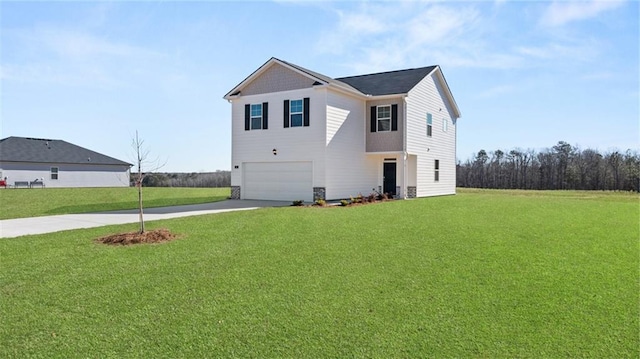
286, 114
265, 115
394, 117
247, 117
374, 115
306, 112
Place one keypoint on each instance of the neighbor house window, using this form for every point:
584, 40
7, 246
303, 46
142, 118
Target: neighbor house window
54, 173
384, 118
296, 113
436, 172
429, 125
445, 125
256, 116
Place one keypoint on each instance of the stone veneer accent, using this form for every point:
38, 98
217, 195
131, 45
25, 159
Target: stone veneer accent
235, 192
319, 193
411, 192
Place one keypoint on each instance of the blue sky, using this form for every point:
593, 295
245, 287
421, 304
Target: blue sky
524, 74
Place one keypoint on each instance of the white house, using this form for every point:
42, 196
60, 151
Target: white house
56, 163
300, 135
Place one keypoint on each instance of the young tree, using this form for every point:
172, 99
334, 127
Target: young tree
142, 159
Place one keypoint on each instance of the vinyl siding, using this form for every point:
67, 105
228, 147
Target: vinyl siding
349, 170
429, 97
292, 144
69, 175
275, 79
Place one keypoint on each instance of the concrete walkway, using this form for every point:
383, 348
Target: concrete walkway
10, 228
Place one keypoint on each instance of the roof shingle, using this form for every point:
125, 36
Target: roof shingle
22, 149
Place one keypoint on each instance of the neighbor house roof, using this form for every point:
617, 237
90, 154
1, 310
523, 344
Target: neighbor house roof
40, 150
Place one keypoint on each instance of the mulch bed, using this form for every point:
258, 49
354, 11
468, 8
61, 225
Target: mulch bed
149, 237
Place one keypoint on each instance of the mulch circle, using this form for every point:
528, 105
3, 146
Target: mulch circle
149, 237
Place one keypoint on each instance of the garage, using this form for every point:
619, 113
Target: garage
283, 181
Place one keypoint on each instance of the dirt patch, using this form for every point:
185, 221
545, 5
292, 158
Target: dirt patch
149, 237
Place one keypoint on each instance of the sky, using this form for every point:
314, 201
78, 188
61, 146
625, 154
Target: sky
525, 74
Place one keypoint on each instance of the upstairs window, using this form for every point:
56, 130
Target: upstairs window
54, 173
429, 125
296, 113
384, 118
256, 116
445, 125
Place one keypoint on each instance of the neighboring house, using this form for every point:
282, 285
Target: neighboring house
300, 135
56, 163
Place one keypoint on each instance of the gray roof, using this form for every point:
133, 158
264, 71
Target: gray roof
21, 149
388, 83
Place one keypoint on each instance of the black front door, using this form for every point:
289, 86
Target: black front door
389, 180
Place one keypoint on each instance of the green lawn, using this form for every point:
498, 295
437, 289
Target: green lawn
491, 274
19, 203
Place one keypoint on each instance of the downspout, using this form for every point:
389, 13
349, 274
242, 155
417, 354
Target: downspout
405, 173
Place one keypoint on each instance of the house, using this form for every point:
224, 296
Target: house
56, 163
301, 135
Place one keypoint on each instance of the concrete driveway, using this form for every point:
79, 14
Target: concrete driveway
10, 228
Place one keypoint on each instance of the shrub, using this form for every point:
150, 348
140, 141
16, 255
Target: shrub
344, 203
298, 202
321, 202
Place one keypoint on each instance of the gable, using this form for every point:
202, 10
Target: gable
275, 79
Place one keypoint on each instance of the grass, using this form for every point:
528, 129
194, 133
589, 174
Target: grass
481, 274
20, 203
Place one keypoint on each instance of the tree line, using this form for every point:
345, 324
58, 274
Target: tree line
560, 167
194, 179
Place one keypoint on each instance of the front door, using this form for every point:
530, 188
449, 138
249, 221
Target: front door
389, 178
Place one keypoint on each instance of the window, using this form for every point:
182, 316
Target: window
436, 172
256, 116
445, 125
429, 125
54, 173
296, 112
384, 118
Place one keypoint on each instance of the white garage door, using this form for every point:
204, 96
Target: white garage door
284, 181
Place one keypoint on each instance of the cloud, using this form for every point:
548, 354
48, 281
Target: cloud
77, 57
561, 13
380, 36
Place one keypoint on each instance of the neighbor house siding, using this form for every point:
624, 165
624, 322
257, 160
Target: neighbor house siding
428, 97
69, 175
291, 144
349, 171
275, 79
388, 140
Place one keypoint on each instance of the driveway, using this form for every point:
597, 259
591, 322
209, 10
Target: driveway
10, 228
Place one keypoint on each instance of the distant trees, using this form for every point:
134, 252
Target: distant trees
560, 167
204, 179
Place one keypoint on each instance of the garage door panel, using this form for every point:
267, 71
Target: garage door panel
278, 180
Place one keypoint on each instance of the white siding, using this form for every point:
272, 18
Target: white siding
69, 175
348, 170
429, 97
306, 144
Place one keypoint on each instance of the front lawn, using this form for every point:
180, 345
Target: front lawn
35, 202
481, 274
